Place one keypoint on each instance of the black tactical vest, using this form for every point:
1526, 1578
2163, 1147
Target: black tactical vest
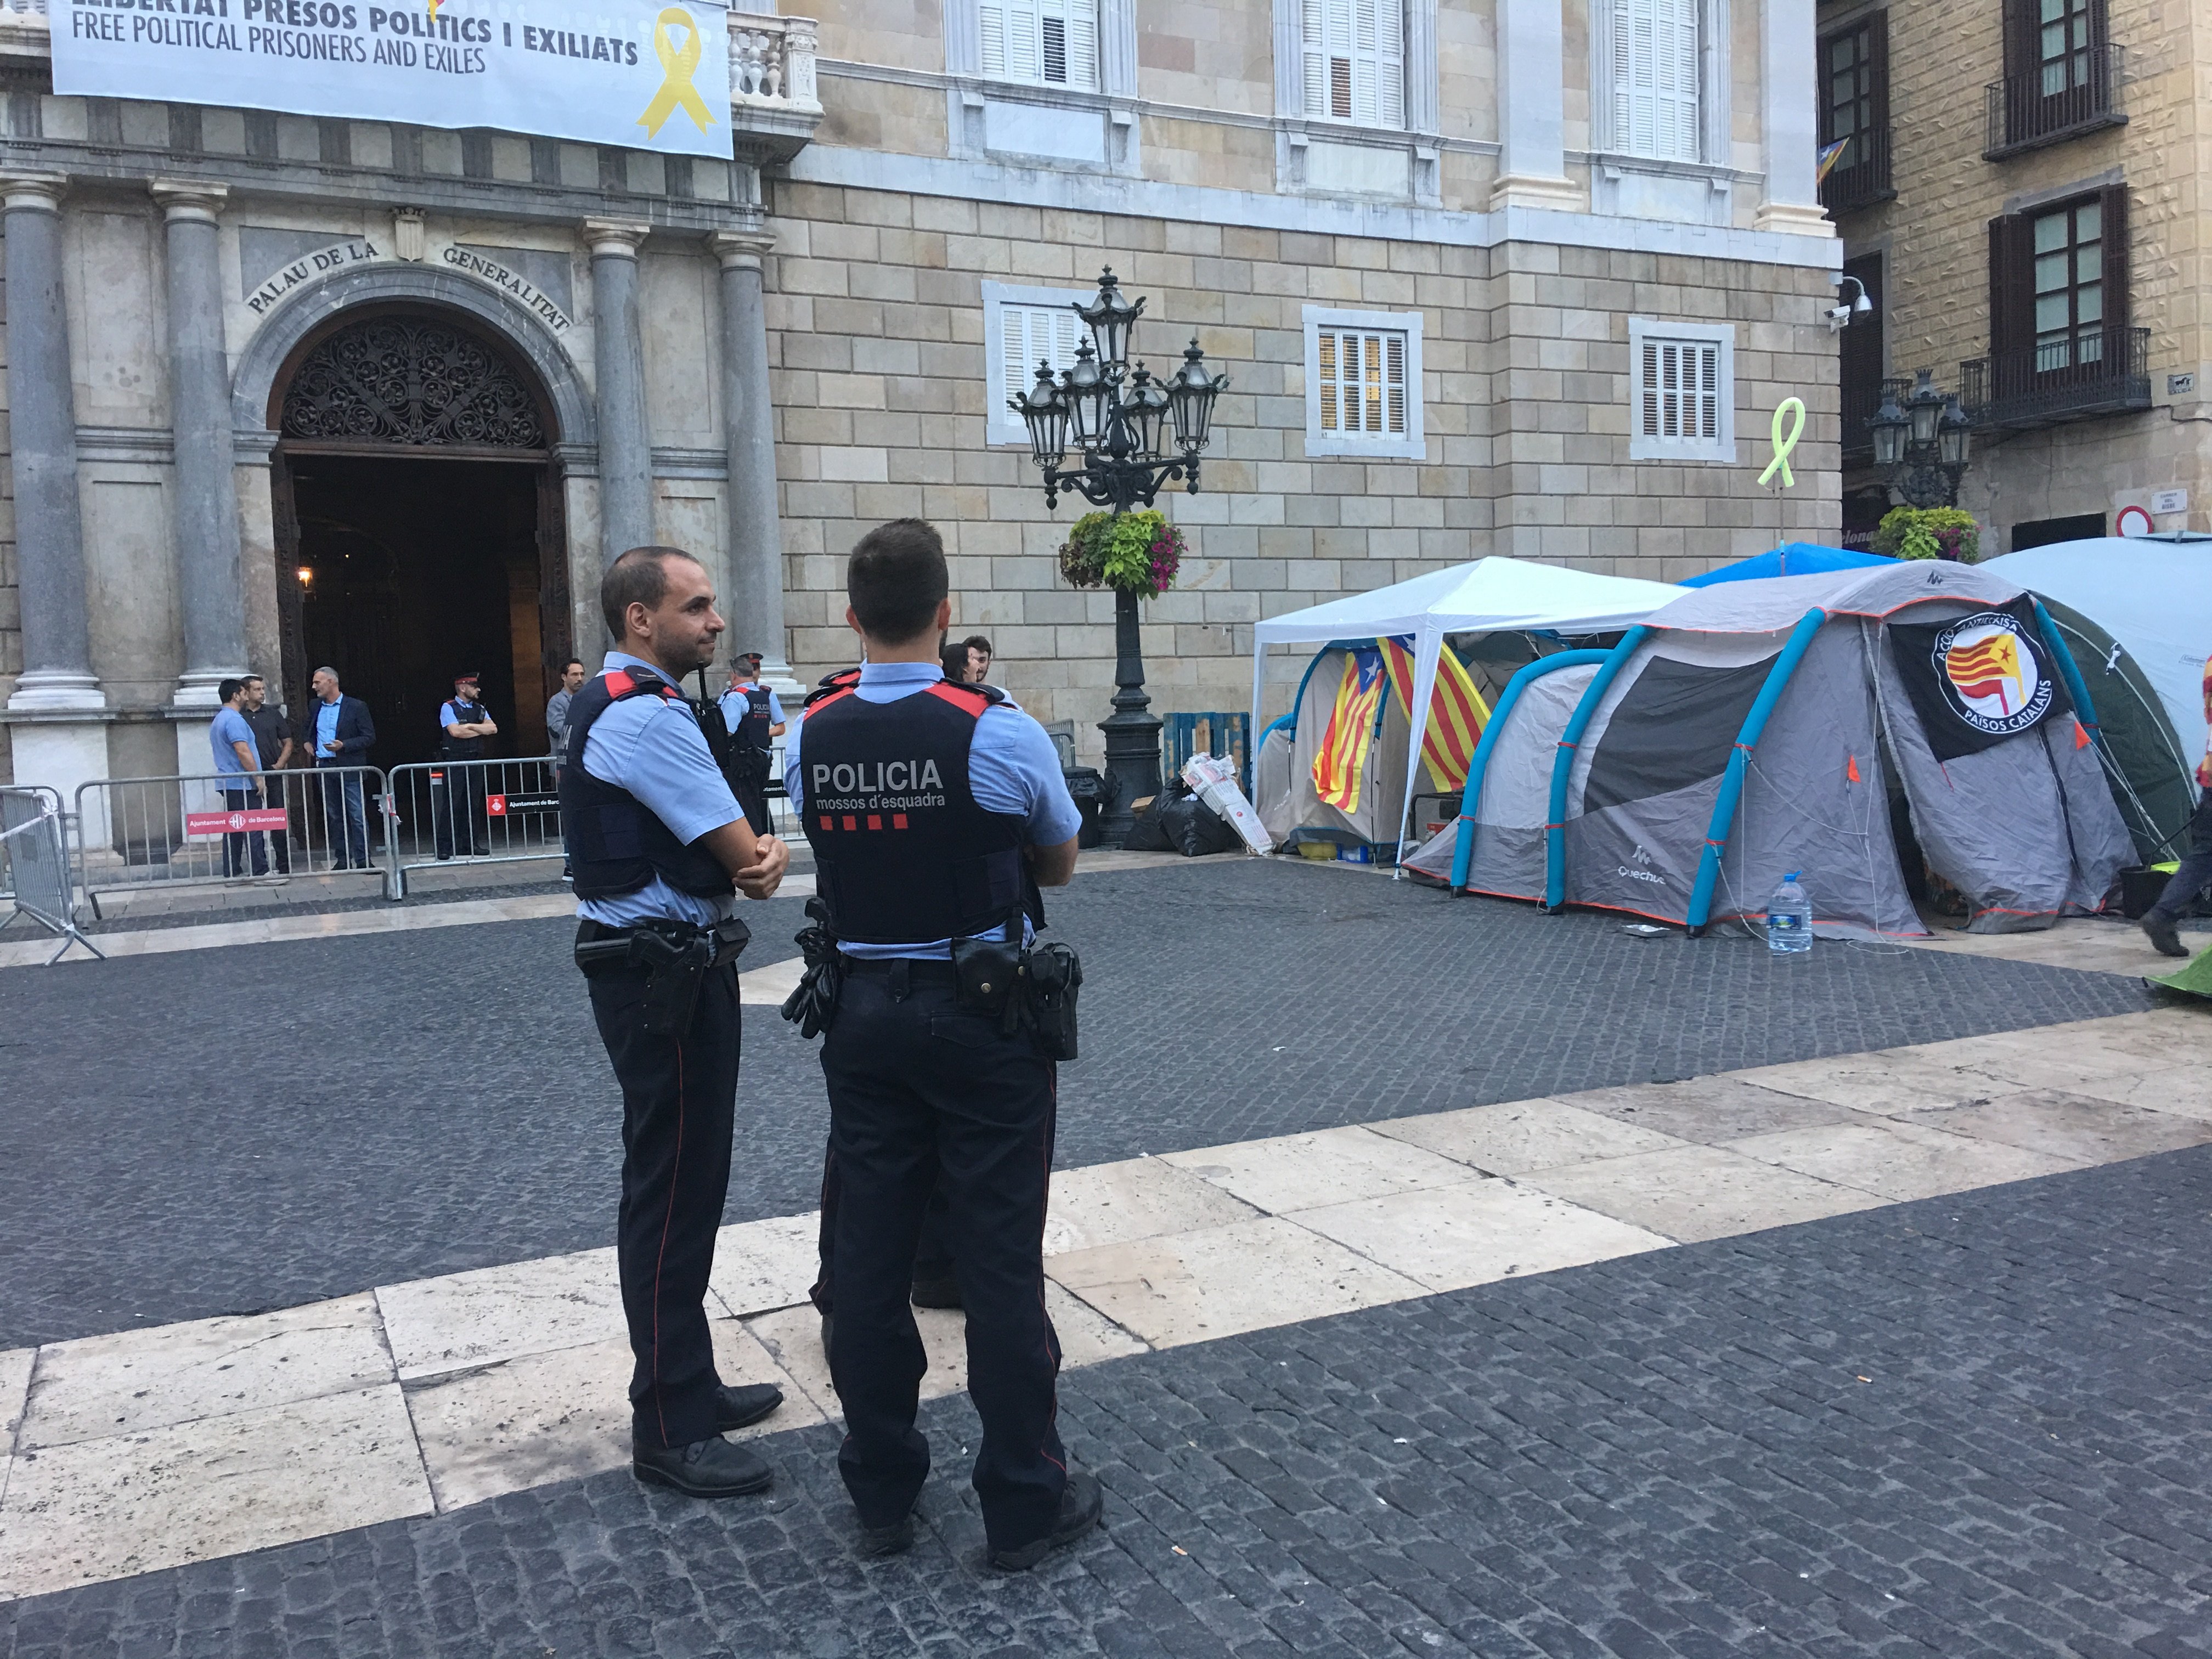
903, 852
752, 731
462, 749
616, 844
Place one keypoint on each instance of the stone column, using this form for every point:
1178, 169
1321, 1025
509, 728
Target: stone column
1789, 119
56, 711
210, 593
756, 530
618, 356
42, 441
1531, 76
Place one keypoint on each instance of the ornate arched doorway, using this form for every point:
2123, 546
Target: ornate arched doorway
418, 525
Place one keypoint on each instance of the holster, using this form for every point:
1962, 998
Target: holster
1018, 985
814, 1003
676, 957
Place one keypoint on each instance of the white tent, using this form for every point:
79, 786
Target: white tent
2152, 595
1488, 596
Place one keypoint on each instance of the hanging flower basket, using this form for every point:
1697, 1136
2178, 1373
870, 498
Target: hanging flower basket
1137, 553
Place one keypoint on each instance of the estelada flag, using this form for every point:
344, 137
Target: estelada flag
1457, 713
1352, 725
1980, 679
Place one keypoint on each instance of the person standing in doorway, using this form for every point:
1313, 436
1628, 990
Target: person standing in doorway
457, 798
929, 1094
2194, 872
272, 738
660, 851
753, 716
342, 734
239, 762
556, 710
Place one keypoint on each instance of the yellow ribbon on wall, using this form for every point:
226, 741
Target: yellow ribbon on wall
677, 66
1784, 441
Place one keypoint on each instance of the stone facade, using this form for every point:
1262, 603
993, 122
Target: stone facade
1934, 240
759, 359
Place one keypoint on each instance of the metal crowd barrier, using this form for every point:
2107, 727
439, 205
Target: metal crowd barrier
138, 834
461, 812
34, 865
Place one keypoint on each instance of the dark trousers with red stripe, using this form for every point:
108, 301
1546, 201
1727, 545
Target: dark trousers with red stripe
925, 1097
679, 1107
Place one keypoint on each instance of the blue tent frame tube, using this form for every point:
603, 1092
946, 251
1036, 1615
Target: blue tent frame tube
1563, 765
1746, 739
2069, 671
1471, 792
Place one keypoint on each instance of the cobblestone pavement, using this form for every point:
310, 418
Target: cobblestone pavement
1972, 1427
222, 1132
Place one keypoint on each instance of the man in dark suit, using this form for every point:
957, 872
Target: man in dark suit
341, 734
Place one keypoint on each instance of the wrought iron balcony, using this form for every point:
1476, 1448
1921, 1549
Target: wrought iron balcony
2056, 101
2100, 372
1861, 178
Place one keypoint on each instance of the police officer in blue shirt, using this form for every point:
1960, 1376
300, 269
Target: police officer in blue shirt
935, 810
456, 793
753, 716
660, 850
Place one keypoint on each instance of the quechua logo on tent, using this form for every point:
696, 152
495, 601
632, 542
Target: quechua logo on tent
1991, 673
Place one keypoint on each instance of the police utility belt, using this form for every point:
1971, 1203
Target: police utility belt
1015, 984
677, 957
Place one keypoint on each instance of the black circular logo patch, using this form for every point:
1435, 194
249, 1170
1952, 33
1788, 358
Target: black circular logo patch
1990, 674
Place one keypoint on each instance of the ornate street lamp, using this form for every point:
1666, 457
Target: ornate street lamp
1921, 443
1120, 419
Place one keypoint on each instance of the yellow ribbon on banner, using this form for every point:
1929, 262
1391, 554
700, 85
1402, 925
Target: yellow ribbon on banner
676, 91
1785, 442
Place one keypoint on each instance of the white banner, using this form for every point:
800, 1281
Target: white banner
635, 73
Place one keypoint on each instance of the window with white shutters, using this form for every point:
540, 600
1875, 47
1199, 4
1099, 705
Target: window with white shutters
1655, 52
1364, 383
1682, 392
1022, 327
1040, 43
1355, 62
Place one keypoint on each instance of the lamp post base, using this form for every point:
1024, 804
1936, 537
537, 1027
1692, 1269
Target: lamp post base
1132, 733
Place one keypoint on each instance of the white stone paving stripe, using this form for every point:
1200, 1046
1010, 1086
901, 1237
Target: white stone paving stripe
147, 1449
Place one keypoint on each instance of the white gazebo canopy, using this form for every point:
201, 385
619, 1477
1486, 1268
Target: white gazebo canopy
1488, 596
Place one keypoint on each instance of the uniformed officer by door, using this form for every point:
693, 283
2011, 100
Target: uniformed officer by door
661, 849
753, 716
934, 810
457, 792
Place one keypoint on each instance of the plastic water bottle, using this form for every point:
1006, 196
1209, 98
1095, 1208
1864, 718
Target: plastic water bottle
1789, 918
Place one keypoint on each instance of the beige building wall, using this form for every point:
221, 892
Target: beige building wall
1935, 240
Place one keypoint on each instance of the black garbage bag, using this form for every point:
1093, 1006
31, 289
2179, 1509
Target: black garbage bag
1146, 835
1193, 828
1086, 787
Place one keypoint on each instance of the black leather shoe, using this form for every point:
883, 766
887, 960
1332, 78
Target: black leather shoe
894, 1540
937, 1292
2160, 926
746, 1404
705, 1469
1081, 1502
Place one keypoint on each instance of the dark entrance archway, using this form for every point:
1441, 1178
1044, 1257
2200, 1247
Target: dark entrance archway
418, 525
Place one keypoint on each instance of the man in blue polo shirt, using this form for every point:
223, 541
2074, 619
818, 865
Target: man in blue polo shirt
238, 757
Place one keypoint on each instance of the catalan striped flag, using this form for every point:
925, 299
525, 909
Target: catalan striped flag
1338, 767
1457, 713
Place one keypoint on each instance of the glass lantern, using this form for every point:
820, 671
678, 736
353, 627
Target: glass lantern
1191, 392
1045, 411
1111, 318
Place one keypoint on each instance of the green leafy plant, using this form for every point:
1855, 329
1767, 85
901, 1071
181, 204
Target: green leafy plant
1928, 533
1135, 553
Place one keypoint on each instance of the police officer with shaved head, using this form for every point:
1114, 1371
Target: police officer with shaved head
660, 850
935, 810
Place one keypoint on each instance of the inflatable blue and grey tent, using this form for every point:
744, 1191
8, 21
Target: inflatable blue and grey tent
1749, 729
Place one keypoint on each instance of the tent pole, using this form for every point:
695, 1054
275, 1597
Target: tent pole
1426, 648
1754, 723
1471, 796
1563, 765
2069, 671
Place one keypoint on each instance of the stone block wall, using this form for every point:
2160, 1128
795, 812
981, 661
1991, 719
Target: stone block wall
877, 330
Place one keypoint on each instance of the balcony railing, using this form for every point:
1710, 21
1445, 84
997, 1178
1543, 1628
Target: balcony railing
1861, 178
772, 62
2057, 101
2099, 372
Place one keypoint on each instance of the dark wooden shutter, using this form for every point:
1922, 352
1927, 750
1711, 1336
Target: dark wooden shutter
1878, 56
2023, 25
2113, 199
2008, 286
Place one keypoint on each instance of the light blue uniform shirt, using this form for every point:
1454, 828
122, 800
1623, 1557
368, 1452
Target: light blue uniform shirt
1013, 769
734, 706
230, 727
653, 747
449, 714
326, 730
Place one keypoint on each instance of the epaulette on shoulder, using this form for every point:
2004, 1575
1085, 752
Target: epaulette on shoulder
844, 679
959, 691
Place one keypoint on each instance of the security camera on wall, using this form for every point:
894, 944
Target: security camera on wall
1840, 314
